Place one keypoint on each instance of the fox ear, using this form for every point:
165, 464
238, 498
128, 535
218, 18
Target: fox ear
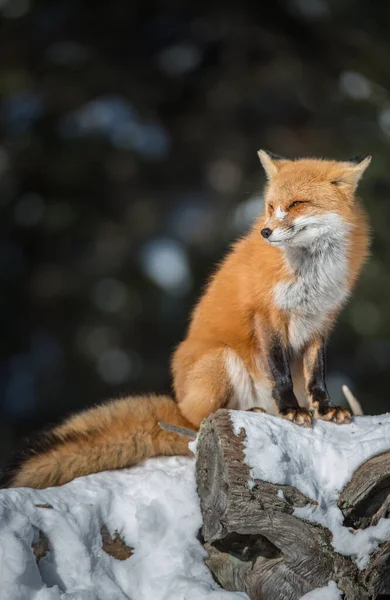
353, 171
270, 162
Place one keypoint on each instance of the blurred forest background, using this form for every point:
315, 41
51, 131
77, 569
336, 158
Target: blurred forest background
128, 164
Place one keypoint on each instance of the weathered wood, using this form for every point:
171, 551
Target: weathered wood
255, 543
364, 501
366, 498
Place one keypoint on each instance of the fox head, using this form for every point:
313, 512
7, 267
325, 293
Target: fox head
307, 200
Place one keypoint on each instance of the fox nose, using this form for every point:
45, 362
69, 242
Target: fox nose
266, 232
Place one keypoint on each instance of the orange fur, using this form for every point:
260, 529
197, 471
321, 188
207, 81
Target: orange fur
227, 342
118, 434
238, 306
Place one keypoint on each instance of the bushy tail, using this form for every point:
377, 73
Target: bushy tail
118, 434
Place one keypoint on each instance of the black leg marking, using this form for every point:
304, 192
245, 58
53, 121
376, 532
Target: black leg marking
282, 391
316, 386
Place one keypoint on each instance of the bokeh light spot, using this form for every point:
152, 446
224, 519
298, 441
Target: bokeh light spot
180, 59
355, 85
224, 176
114, 366
247, 212
365, 318
165, 262
29, 210
110, 295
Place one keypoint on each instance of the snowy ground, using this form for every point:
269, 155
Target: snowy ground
155, 509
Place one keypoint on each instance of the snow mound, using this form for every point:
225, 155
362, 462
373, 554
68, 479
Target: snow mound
331, 592
318, 462
155, 509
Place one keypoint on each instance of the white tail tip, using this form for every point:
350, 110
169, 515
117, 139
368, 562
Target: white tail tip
353, 402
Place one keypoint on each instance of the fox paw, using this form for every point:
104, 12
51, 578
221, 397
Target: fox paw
335, 414
256, 409
299, 416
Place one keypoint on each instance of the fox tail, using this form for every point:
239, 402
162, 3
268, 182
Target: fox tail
118, 434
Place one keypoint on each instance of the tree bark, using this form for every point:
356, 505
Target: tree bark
255, 543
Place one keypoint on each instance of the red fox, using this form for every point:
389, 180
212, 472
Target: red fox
256, 338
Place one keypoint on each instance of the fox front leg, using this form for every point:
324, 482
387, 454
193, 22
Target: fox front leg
282, 384
314, 373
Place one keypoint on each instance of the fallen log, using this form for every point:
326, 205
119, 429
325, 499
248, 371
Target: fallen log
255, 540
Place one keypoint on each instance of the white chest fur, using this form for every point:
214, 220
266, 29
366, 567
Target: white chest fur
318, 286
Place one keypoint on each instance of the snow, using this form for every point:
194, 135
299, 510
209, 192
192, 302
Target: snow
331, 592
155, 509
318, 461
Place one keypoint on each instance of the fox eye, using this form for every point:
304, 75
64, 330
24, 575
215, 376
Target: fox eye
271, 208
295, 203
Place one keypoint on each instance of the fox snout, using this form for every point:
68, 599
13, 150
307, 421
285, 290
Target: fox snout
266, 232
